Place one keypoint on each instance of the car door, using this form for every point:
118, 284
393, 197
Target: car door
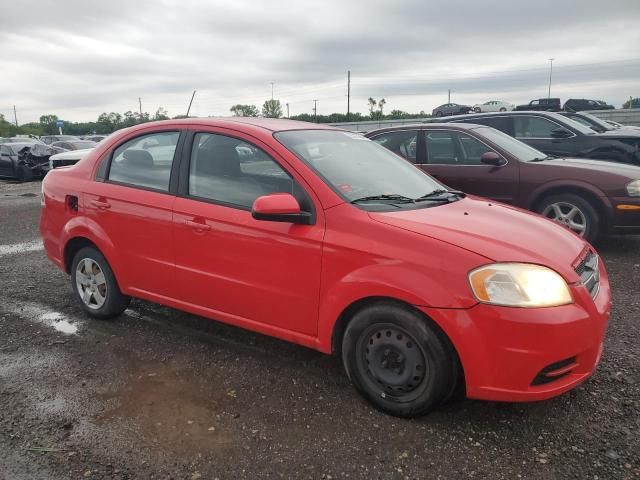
6, 163
537, 132
453, 157
247, 271
133, 205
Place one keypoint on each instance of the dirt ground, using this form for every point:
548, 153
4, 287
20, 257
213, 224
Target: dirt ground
157, 393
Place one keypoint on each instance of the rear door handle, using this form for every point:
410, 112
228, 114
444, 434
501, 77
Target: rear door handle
197, 225
100, 205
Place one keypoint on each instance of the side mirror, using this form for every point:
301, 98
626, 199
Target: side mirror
279, 207
561, 133
492, 158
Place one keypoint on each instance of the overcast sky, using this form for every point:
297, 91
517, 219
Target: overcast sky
78, 58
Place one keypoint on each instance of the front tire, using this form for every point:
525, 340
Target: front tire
439, 114
477, 110
399, 360
95, 285
574, 212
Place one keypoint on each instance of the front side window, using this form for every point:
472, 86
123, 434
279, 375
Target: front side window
403, 143
145, 161
533, 127
229, 170
453, 148
358, 169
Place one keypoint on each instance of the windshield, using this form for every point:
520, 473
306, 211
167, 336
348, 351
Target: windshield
587, 117
84, 144
573, 124
518, 149
355, 167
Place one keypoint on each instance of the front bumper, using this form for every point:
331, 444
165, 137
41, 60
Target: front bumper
625, 216
504, 351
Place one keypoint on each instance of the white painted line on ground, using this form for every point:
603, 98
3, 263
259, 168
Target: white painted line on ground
24, 247
41, 314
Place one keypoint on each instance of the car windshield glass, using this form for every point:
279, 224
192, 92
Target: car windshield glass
358, 168
575, 125
518, 149
594, 121
84, 144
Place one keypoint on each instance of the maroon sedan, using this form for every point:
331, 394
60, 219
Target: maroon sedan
591, 197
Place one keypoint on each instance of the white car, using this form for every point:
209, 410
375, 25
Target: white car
493, 106
67, 158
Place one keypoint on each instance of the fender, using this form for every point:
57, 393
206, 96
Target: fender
536, 194
393, 282
83, 227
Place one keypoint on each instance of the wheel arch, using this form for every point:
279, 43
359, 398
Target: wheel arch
597, 200
356, 306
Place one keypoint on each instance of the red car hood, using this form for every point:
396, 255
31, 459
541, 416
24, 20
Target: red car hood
498, 232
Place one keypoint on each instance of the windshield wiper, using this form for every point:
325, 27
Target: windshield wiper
392, 197
539, 159
438, 195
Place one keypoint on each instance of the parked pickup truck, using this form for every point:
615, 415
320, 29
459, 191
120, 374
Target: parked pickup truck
544, 104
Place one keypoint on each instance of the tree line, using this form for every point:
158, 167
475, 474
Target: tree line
110, 122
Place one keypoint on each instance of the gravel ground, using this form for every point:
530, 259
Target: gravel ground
158, 393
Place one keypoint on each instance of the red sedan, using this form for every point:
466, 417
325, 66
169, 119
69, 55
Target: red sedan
324, 238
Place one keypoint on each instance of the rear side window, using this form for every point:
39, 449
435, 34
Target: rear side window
502, 123
453, 148
404, 143
533, 127
231, 171
145, 161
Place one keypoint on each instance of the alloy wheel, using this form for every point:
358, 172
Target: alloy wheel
567, 214
91, 283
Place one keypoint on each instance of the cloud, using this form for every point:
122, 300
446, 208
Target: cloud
95, 56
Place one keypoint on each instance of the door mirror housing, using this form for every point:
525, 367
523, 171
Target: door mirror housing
279, 207
492, 158
561, 133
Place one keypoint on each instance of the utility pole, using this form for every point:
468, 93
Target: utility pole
271, 90
189, 108
315, 111
550, 73
348, 93
15, 115
449, 96
287, 110
140, 105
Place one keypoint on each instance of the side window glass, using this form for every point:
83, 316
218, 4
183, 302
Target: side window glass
403, 143
535, 102
229, 170
441, 148
471, 150
533, 127
145, 161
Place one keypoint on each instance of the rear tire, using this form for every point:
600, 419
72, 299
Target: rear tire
95, 285
572, 211
399, 360
477, 110
503, 109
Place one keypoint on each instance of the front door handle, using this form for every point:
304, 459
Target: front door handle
100, 205
197, 225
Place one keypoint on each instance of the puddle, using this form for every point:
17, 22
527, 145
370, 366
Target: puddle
39, 314
32, 246
171, 406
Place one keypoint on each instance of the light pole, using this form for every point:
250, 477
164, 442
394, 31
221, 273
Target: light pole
550, 73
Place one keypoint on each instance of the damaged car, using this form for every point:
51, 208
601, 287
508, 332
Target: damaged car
24, 161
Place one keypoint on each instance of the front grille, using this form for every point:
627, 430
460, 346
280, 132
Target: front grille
555, 371
589, 273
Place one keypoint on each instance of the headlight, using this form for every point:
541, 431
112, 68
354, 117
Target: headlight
519, 285
633, 188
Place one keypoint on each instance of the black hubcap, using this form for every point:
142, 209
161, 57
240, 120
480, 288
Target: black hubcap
393, 360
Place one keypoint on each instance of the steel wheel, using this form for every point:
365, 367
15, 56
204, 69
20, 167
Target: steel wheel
393, 360
567, 214
91, 283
